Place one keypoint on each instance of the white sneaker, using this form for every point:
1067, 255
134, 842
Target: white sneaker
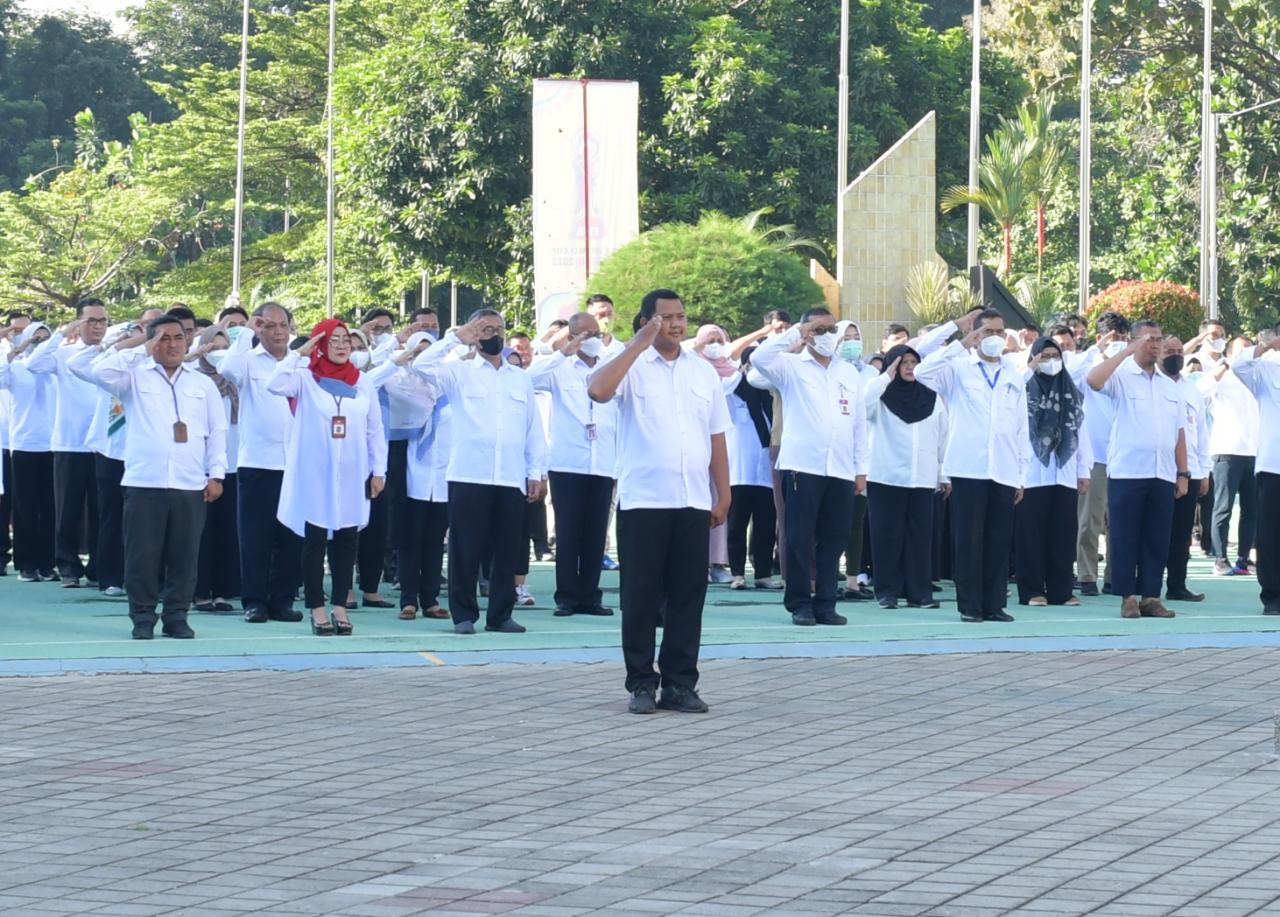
113, 592
523, 597
719, 575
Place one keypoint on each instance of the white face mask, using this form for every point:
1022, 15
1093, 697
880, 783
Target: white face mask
591, 347
992, 346
713, 351
1116, 347
825, 344
1218, 345
215, 357
360, 359
1050, 367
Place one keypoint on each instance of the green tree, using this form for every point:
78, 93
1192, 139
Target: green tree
1003, 190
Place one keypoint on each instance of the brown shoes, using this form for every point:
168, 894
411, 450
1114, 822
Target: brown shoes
1154, 608
1129, 607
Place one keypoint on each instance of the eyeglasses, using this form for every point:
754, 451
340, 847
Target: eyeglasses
95, 321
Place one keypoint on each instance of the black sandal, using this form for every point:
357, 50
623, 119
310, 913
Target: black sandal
322, 630
340, 627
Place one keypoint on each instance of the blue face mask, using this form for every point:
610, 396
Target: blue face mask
851, 351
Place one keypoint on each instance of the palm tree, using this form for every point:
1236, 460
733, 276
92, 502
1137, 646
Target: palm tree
1002, 191
1044, 163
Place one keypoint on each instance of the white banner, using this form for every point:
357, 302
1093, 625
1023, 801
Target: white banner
585, 187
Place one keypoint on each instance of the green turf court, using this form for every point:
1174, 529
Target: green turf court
42, 621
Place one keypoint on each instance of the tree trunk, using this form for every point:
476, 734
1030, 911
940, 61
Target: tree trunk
1007, 229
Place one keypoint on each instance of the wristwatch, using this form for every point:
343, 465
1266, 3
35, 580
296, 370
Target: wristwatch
1185, 474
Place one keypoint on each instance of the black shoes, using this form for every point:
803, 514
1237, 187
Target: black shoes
888, 603
642, 701
464, 627
376, 603
929, 604
288, 615
1090, 589
682, 700
600, 611
971, 619
1184, 595
998, 616
563, 611
803, 618
144, 631
508, 626
1271, 610
322, 630
178, 630
831, 618
256, 616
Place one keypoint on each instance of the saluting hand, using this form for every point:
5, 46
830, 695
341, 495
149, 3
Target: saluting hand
892, 371
310, 345
649, 332
965, 322
572, 346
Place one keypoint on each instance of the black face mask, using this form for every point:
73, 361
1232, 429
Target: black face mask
492, 346
1172, 365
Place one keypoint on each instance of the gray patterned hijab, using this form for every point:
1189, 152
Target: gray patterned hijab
1054, 412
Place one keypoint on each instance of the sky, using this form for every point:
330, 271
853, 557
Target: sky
107, 9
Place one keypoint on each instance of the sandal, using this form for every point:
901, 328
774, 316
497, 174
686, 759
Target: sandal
435, 611
321, 628
408, 613
342, 626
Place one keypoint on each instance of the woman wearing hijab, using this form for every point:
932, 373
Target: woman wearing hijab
712, 344
336, 461
849, 333
1058, 472
908, 424
750, 480
218, 568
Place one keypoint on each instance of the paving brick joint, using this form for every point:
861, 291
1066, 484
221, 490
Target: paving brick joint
1112, 783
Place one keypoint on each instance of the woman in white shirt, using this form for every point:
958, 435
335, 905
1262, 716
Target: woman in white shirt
750, 479
336, 461
1060, 467
908, 435
712, 344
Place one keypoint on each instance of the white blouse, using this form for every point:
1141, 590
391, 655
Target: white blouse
904, 454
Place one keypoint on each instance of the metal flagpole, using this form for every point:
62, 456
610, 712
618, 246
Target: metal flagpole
1086, 151
329, 198
975, 128
1206, 161
424, 296
453, 304
239, 206
842, 139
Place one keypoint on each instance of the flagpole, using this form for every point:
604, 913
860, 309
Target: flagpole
329, 197
842, 139
975, 128
238, 231
1206, 164
1086, 151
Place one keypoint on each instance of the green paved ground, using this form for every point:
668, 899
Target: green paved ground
44, 621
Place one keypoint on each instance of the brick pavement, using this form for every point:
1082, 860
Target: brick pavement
1127, 783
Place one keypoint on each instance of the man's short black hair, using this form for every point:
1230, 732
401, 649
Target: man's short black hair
895, 328
154, 326
558, 323
262, 310
86, 303
419, 313
1113, 321
203, 323
13, 316
485, 310
233, 310
1210, 322
777, 315
1055, 330
1074, 319
518, 334
1144, 324
181, 313
814, 313
377, 312
985, 316
649, 305
598, 297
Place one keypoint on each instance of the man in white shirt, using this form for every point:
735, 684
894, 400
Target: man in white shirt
74, 475
583, 456
823, 457
1198, 463
497, 460
175, 459
600, 307
1259, 369
1146, 469
31, 410
672, 420
988, 450
1234, 445
270, 554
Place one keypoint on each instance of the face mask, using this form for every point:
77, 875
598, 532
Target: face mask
432, 336
591, 347
1050, 367
492, 346
713, 351
992, 346
851, 351
542, 347
1172, 365
1116, 347
234, 332
215, 357
1218, 345
826, 344
605, 324
360, 359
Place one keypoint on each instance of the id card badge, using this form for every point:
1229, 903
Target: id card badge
338, 427
179, 432
591, 432
844, 406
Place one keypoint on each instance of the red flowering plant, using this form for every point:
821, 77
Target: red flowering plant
1177, 308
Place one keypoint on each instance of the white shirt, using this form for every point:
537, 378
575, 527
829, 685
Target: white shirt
750, 464
75, 398
988, 437
324, 476
107, 429
1199, 455
1149, 412
31, 407
154, 402
668, 410
1262, 379
904, 454
265, 418
497, 434
584, 435
826, 423
1234, 411
427, 474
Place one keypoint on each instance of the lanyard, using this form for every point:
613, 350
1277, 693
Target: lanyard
173, 390
991, 383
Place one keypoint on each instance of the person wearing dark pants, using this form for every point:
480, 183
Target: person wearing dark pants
823, 457
751, 479
1146, 468
987, 457
33, 515
6, 505
422, 560
108, 473
1233, 443
1234, 475
161, 541
672, 420
270, 554
371, 550
582, 504
75, 508
1262, 378
901, 543
1199, 463
497, 460
751, 507
341, 550
1046, 546
1184, 517
218, 569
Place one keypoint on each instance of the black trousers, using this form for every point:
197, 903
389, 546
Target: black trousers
1141, 517
399, 520
818, 513
981, 526
1184, 519
1233, 475
855, 555
752, 506
485, 520
663, 555
1045, 521
161, 543
270, 553
1205, 512
421, 555
218, 575
110, 557
582, 504
6, 509
341, 549
902, 541
33, 511
75, 495
1268, 485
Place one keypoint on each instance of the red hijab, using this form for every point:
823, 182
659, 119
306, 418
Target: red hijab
324, 368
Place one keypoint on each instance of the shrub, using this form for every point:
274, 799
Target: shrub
1177, 308
725, 270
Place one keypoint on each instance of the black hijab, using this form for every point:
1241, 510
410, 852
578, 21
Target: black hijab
910, 402
759, 402
1054, 411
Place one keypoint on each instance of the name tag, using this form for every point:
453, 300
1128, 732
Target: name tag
179, 432
844, 406
591, 432
338, 427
